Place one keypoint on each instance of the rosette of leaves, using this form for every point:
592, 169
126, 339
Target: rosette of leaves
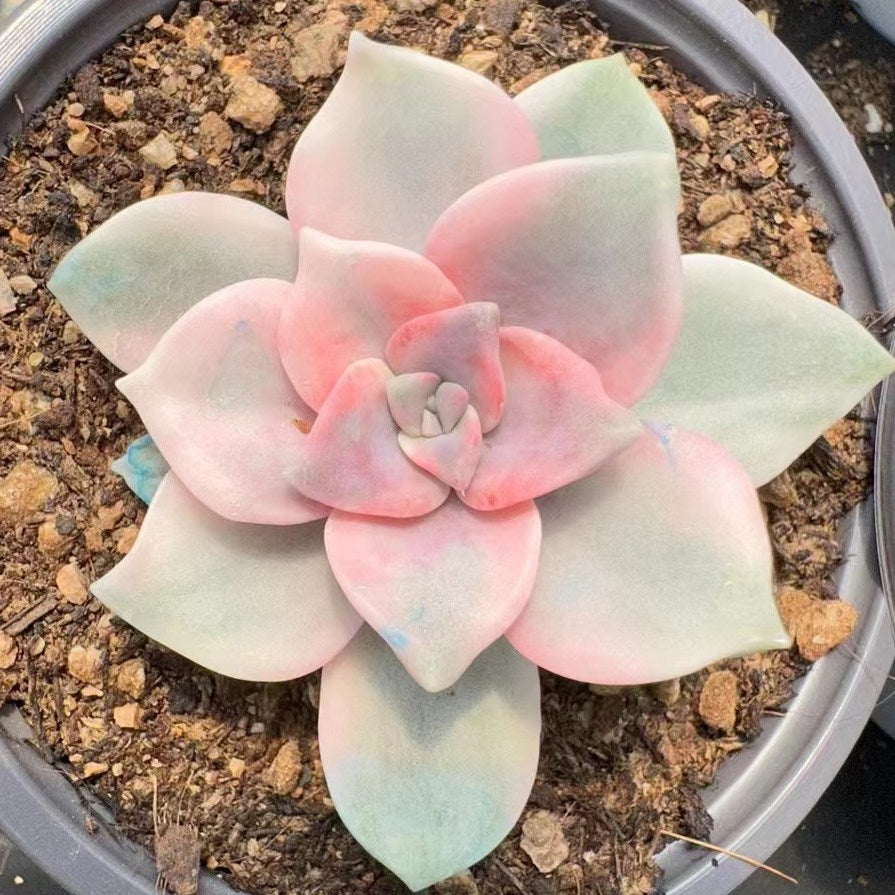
466, 412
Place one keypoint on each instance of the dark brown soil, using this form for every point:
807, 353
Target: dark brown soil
238, 764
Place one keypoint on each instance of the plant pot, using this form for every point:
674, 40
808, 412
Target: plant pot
760, 796
880, 14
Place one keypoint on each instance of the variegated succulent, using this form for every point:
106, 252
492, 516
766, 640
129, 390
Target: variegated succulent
533, 429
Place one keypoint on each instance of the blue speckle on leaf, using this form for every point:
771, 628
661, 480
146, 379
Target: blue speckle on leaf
394, 638
663, 432
142, 467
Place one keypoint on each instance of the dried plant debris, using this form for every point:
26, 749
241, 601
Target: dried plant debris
215, 101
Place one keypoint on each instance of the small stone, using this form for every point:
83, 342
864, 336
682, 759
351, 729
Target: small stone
816, 625
94, 769
93, 538
700, 127
412, 5
24, 491
160, 151
7, 298
667, 692
108, 517
718, 700
71, 585
189, 153
768, 166
196, 33
501, 16
177, 857
713, 209
875, 121
82, 143
118, 104
283, 773
810, 270
117, 769
85, 663
316, 50
726, 234
128, 716
461, 884
237, 768
543, 840
215, 135
252, 104
83, 195
130, 678
50, 540
155, 23
234, 66
76, 110
480, 61
20, 239
22, 284
71, 332
125, 539
8, 651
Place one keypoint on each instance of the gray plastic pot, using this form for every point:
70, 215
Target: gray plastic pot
761, 795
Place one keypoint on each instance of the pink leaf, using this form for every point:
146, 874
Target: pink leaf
584, 250
655, 566
452, 456
557, 425
352, 459
439, 588
461, 346
218, 404
349, 299
365, 168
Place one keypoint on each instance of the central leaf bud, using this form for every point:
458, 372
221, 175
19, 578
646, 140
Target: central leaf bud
422, 405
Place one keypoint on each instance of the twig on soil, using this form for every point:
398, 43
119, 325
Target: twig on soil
731, 854
510, 875
20, 623
638, 46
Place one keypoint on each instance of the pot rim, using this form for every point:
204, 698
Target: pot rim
759, 797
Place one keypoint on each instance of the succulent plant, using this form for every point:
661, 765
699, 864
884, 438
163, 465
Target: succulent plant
533, 429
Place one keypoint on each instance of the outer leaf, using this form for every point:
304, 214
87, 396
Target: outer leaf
439, 588
255, 602
557, 425
352, 459
761, 366
584, 250
142, 467
366, 169
428, 783
462, 346
594, 107
653, 567
216, 400
349, 299
135, 275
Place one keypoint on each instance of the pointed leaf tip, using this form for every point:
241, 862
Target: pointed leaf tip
762, 367
255, 602
438, 588
595, 107
130, 279
428, 783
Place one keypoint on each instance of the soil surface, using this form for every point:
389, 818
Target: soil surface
215, 102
